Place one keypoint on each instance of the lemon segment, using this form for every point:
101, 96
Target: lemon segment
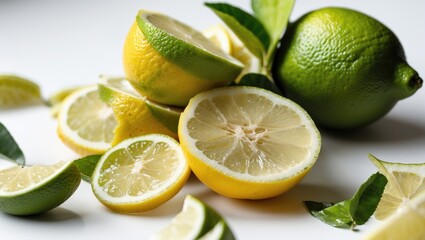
85, 123
31, 190
246, 142
169, 62
16, 91
140, 173
134, 113
196, 220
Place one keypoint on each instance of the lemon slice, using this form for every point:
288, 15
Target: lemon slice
221, 231
135, 114
227, 41
16, 91
247, 142
140, 173
36, 189
197, 220
218, 35
169, 62
85, 123
402, 206
55, 100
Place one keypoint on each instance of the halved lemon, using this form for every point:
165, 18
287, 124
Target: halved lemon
85, 123
140, 173
247, 142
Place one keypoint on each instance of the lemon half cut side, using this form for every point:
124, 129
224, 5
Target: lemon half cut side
247, 142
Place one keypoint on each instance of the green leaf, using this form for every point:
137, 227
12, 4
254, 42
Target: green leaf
354, 211
366, 199
87, 165
258, 80
248, 29
9, 149
336, 215
274, 15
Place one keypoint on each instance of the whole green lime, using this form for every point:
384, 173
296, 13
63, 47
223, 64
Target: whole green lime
344, 67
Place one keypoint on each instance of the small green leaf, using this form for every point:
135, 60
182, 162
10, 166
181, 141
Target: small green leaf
87, 165
248, 29
366, 199
258, 80
337, 215
274, 15
354, 211
9, 149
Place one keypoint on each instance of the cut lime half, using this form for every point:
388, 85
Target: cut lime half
36, 189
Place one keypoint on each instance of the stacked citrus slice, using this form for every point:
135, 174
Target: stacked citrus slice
134, 113
85, 123
169, 62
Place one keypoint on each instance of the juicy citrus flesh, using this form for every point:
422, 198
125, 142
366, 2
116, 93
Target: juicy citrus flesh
224, 38
218, 35
16, 91
140, 173
194, 221
246, 142
28, 190
134, 113
402, 206
86, 123
345, 68
169, 62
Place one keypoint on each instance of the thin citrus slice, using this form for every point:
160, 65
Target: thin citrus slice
402, 206
169, 62
55, 100
16, 91
247, 142
195, 221
218, 35
140, 173
85, 123
135, 114
221, 231
36, 189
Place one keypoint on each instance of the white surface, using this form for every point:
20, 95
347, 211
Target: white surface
67, 43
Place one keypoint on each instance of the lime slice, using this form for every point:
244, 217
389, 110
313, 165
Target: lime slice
169, 62
140, 173
247, 142
16, 91
36, 189
85, 123
195, 221
221, 231
402, 206
135, 114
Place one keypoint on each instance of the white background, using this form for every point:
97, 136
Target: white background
68, 43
